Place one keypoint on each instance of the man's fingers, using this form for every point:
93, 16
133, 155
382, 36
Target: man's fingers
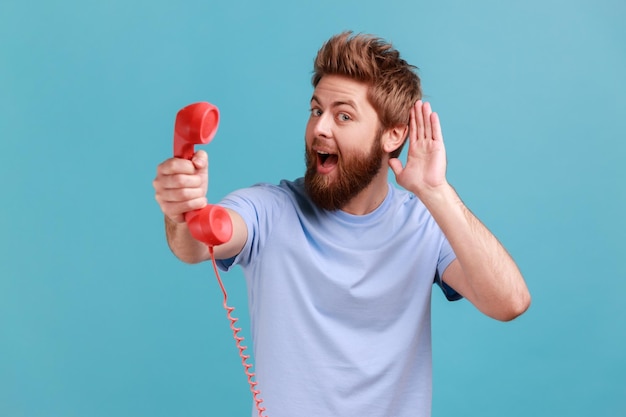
436, 126
174, 210
181, 184
419, 115
182, 173
412, 125
199, 162
180, 194
427, 110
174, 166
178, 181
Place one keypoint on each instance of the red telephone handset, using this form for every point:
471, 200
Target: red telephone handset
196, 124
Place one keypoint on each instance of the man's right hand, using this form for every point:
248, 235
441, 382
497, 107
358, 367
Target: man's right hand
181, 185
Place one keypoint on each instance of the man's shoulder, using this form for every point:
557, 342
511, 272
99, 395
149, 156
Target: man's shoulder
402, 196
285, 190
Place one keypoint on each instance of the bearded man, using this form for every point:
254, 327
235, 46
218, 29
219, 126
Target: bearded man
340, 264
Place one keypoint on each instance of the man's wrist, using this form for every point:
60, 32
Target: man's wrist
443, 194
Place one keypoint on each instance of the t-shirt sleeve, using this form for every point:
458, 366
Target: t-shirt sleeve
257, 205
446, 256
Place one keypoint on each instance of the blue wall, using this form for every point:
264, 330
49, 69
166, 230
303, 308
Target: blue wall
97, 318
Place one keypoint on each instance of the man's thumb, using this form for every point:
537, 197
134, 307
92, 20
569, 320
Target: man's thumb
200, 160
395, 165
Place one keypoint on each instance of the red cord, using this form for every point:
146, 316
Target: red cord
238, 339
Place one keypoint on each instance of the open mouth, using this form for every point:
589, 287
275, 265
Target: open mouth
327, 160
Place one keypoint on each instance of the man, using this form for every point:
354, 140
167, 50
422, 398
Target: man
340, 264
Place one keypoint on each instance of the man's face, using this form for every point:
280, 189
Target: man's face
343, 142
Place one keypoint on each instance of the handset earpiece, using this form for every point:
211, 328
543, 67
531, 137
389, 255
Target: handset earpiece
196, 124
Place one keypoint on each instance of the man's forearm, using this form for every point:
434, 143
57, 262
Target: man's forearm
490, 278
183, 245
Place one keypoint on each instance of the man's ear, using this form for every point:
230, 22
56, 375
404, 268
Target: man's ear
394, 138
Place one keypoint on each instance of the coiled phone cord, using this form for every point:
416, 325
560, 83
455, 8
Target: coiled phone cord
238, 339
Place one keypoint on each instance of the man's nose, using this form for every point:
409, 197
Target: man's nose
323, 125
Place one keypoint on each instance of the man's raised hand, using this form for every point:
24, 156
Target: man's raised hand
425, 168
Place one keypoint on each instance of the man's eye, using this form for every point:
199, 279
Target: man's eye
316, 112
343, 117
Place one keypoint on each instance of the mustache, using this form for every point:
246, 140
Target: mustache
325, 144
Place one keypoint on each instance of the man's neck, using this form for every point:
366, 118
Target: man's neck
369, 198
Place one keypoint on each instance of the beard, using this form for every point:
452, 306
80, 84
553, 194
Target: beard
353, 174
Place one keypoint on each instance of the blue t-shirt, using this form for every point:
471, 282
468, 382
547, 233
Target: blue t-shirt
339, 303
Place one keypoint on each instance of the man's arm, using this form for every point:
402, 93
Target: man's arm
483, 272
182, 244
181, 186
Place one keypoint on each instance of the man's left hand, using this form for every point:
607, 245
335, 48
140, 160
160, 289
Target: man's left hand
425, 169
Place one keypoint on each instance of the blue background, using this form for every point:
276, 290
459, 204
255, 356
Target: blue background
97, 318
